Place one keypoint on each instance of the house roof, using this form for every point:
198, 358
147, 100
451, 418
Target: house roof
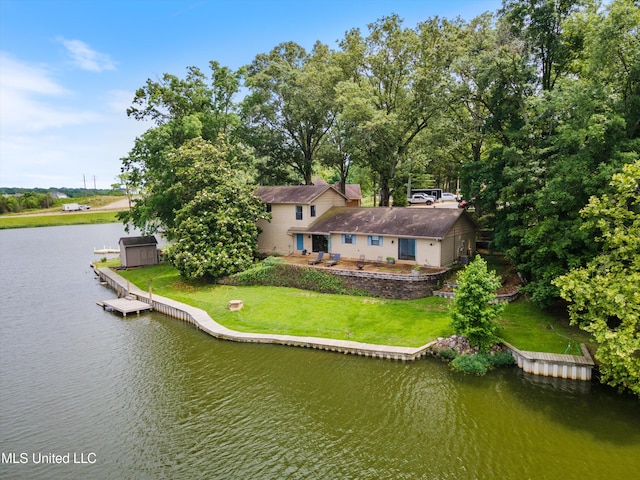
351, 190
296, 194
138, 241
385, 221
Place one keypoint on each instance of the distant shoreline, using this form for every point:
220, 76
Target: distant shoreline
98, 215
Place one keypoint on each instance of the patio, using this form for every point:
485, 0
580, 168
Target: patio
369, 265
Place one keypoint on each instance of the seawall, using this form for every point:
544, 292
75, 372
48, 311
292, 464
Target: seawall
536, 363
201, 320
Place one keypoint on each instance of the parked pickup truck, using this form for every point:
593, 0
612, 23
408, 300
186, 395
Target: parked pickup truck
421, 198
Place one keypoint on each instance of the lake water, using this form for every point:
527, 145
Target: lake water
85, 393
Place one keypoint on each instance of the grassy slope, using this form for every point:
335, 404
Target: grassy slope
372, 320
58, 219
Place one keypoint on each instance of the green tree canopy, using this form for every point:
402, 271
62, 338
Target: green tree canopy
605, 295
474, 309
214, 232
292, 95
397, 82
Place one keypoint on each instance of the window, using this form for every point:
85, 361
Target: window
298, 212
268, 208
348, 238
407, 249
313, 210
375, 240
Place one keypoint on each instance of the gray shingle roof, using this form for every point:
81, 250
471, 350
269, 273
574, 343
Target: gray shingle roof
296, 194
395, 221
138, 241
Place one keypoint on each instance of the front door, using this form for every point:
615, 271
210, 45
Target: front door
299, 241
319, 243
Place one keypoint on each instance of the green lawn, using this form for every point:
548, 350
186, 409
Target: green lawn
290, 311
9, 221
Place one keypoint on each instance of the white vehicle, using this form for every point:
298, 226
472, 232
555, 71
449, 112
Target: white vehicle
448, 197
417, 198
70, 207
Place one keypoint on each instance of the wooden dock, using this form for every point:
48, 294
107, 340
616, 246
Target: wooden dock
125, 305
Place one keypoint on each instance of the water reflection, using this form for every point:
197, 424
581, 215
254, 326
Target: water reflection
156, 398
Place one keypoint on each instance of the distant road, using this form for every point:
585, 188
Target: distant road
115, 206
118, 205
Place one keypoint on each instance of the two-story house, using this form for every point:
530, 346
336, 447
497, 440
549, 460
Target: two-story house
293, 209
315, 218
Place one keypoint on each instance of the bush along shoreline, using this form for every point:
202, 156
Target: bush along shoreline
469, 359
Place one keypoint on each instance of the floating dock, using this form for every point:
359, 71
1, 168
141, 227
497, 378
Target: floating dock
125, 305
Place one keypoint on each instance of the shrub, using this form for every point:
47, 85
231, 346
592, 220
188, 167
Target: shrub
274, 272
478, 364
501, 359
448, 353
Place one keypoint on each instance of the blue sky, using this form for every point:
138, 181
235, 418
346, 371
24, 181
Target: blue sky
69, 69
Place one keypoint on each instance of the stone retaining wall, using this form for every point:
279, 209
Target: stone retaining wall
398, 286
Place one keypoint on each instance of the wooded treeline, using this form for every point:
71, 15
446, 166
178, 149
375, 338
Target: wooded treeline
532, 108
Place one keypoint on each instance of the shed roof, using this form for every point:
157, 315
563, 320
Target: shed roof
138, 241
297, 194
395, 221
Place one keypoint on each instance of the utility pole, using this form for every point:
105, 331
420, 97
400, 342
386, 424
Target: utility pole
84, 180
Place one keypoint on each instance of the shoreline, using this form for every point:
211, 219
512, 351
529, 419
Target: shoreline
201, 320
536, 363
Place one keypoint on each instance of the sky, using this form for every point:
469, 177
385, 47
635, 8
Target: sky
69, 69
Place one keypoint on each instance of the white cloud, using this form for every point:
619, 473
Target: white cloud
51, 135
30, 100
85, 58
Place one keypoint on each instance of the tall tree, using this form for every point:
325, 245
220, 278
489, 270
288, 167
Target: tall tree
397, 82
554, 147
215, 232
604, 295
540, 24
292, 95
182, 109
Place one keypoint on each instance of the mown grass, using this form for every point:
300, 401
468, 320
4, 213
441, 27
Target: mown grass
289, 311
527, 327
29, 221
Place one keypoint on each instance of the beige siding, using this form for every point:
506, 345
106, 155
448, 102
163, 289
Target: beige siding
427, 251
274, 237
460, 240
371, 252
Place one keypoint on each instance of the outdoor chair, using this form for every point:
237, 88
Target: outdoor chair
335, 258
316, 260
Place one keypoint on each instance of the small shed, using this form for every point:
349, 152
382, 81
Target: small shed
138, 251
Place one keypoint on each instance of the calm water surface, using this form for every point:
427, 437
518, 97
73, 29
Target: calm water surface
151, 397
